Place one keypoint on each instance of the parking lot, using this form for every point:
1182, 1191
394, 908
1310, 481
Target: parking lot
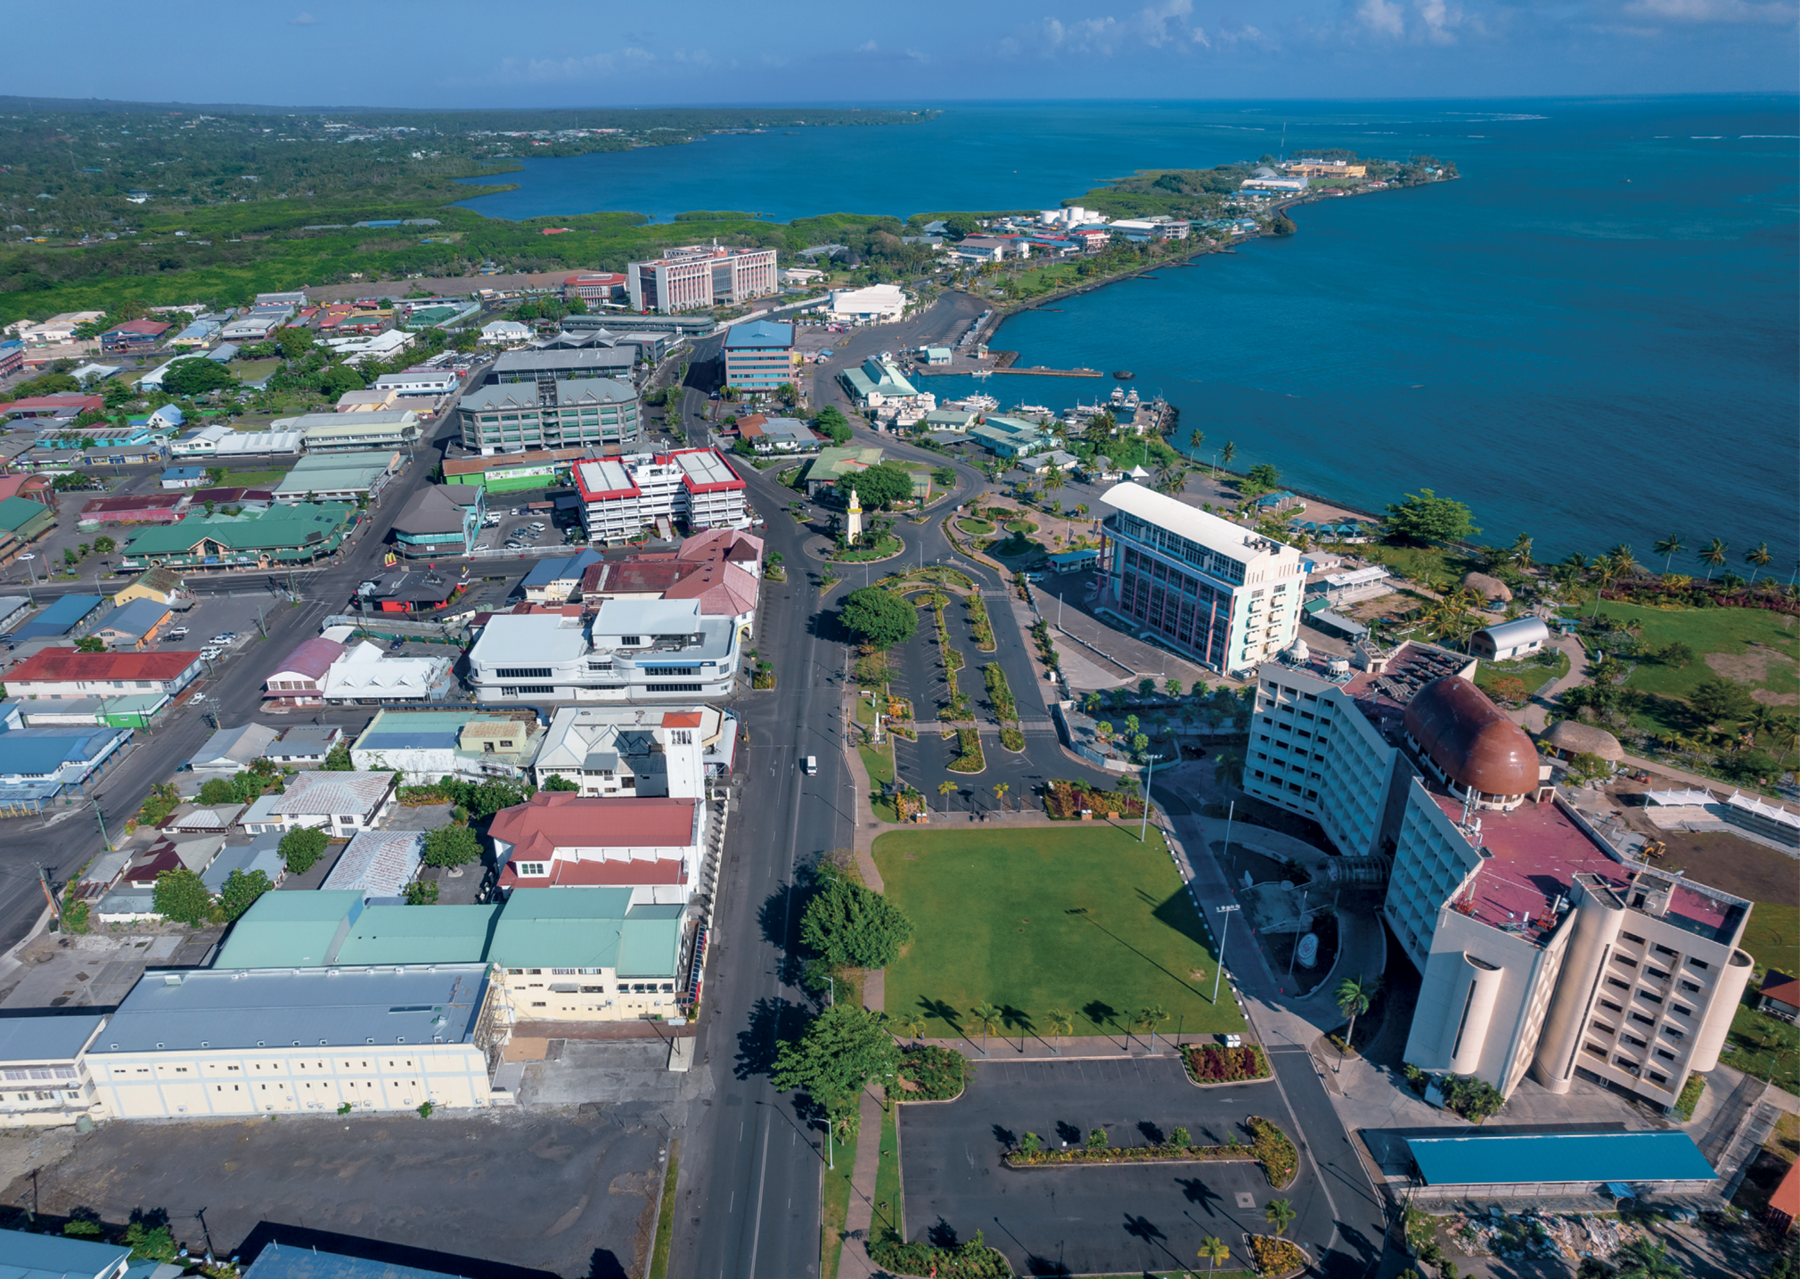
1110, 1219
527, 528
499, 1193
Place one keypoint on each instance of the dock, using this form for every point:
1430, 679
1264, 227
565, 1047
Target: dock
1055, 372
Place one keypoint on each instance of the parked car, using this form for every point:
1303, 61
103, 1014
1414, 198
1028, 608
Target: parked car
177, 632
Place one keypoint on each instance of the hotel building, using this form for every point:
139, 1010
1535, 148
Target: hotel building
1215, 591
1540, 946
551, 413
700, 276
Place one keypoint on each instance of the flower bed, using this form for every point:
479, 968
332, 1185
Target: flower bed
972, 1260
1274, 1257
999, 693
1280, 1161
936, 1074
1211, 1064
1064, 800
1012, 739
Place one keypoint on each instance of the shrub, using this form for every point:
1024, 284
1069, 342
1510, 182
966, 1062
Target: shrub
1690, 1097
937, 1074
1211, 1064
1279, 1159
970, 759
1474, 1099
972, 1260
1064, 800
1273, 1256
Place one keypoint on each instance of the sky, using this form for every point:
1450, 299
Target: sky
454, 53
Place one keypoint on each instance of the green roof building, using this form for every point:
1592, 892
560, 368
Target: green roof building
835, 462
24, 518
295, 534
338, 477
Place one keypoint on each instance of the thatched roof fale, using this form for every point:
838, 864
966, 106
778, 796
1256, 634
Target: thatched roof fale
1584, 739
1490, 587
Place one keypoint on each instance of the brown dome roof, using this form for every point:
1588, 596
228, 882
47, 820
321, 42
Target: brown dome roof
1471, 739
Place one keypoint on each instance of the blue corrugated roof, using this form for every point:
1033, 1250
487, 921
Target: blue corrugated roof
759, 333
1559, 1156
30, 1036
276, 1262
57, 618
27, 1256
409, 739
40, 752
559, 569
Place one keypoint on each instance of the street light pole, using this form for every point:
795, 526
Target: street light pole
1226, 911
1296, 952
1144, 826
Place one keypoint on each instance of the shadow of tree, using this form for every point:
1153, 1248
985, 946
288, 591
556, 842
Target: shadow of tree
1005, 1136
1152, 1133
771, 1020
941, 1234
1197, 1191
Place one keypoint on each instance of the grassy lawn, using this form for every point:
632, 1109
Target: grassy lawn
665, 1216
1754, 646
879, 760
251, 479
888, 1209
1772, 937
1767, 1048
978, 528
1533, 674
887, 546
1418, 562
254, 370
1082, 918
836, 1207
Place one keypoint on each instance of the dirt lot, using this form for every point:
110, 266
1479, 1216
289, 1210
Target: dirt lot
501, 1195
1738, 866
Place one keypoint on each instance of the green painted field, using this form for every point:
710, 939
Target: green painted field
1082, 918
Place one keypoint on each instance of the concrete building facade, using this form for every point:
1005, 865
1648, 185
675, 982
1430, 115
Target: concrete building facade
699, 276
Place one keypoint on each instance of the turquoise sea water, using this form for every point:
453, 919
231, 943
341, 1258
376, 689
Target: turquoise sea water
1586, 358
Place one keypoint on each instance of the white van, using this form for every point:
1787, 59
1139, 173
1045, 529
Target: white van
812, 765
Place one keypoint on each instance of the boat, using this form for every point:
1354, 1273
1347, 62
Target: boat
1123, 375
981, 373
1033, 410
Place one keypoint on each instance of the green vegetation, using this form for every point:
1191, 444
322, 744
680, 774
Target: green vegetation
878, 617
180, 896
1425, 517
452, 846
838, 1054
252, 479
889, 1210
1765, 1047
882, 546
301, 848
665, 1215
1690, 1096
848, 926
1530, 675
836, 1207
1755, 647
1038, 919
878, 486
969, 758
974, 527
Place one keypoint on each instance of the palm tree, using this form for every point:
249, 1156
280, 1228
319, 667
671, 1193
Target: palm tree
1623, 559
1761, 719
1059, 1022
1642, 1259
1053, 478
1520, 554
1354, 995
907, 1025
1280, 1214
1197, 439
1169, 478
1000, 790
1150, 1018
987, 1021
946, 789
1787, 734
1227, 453
1713, 556
1759, 558
1669, 547
1575, 562
1214, 1249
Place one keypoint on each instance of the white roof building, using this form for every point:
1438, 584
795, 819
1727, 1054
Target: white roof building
614, 750
378, 863
363, 673
872, 305
340, 803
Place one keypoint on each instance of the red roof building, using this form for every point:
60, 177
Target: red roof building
133, 335
1780, 996
1784, 1204
63, 404
67, 672
300, 679
594, 286
561, 838
142, 508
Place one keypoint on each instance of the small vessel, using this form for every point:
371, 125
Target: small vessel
1123, 375
981, 373
1033, 410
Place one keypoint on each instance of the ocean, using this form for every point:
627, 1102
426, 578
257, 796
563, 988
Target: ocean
1591, 336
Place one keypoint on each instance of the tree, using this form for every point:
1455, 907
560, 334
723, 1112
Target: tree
947, 789
832, 424
1280, 1214
1282, 224
1000, 789
301, 847
90, 644
908, 1025
1059, 1022
196, 377
1668, 548
1173, 687
1719, 700
988, 1020
1644, 1258
1227, 453
1354, 994
1214, 1249
179, 895
1759, 558
1263, 476
878, 617
839, 1052
1196, 440
880, 485
337, 760
294, 341
452, 847
1426, 517
559, 782
240, 893
851, 927
422, 892
105, 546
1714, 556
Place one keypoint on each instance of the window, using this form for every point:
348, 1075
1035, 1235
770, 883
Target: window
1629, 963
630, 641
523, 672
531, 869
1701, 964
1633, 938
1657, 973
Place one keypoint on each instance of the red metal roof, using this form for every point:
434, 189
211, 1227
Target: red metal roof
311, 658
71, 664
149, 327
141, 502
62, 400
1786, 1199
569, 873
550, 820
1783, 990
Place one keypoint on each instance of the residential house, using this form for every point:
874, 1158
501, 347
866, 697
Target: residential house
505, 333
133, 337
304, 745
341, 804
467, 745
264, 855
377, 864
778, 435
835, 461
231, 750
136, 625
36, 1256
644, 753
1779, 996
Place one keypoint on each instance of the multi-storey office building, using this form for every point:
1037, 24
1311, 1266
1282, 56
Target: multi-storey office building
512, 417
1541, 947
1216, 591
635, 651
623, 496
699, 276
759, 356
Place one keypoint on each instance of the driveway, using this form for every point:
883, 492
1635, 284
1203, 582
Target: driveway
1094, 1220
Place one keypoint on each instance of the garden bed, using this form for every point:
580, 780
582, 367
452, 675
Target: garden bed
1065, 800
1211, 1064
970, 759
1269, 1147
1276, 1258
934, 1074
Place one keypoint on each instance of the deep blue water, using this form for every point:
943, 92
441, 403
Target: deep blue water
1584, 358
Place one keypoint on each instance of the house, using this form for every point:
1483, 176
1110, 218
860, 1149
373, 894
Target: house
135, 625
39, 764
184, 477
40, 1061
304, 745
67, 672
376, 401
231, 750
204, 819
379, 346
300, 678
341, 804
35, 1256
133, 337
161, 585
378, 863
338, 477
949, 420
505, 333
262, 855
646, 753
197, 1042
554, 579
199, 333
778, 435
1779, 996
71, 617
1063, 461
364, 675
467, 745
167, 418
254, 537
63, 404
439, 519
559, 839
759, 356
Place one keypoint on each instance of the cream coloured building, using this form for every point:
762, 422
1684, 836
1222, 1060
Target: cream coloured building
247, 1041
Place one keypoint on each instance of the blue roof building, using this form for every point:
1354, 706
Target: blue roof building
759, 356
133, 625
555, 578
63, 755
184, 477
72, 615
28, 1256
261, 855
1491, 1163
276, 1262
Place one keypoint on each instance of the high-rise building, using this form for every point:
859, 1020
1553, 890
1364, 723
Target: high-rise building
550, 413
1540, 946
1220, 593
700, 276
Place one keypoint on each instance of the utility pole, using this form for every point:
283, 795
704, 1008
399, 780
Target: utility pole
1144, 826
101, 818
49, 896
1226, 911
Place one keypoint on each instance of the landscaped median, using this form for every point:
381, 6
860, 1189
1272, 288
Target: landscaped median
1276, 1258
1269, 1147
1212, 1064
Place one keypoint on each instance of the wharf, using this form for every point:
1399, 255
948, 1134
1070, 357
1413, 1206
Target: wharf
1055, 372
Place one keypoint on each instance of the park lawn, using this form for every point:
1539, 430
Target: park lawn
1755, 646
1767, 1047
879, 760
251, 479
254, 370
1772, 935
1533, 674
1080, 917
1417, 563
888, 1210
836, 1205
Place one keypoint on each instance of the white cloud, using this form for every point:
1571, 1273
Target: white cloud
868, 46
303, 20
1727, 11
1382, 17
592, 67
1158, 26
